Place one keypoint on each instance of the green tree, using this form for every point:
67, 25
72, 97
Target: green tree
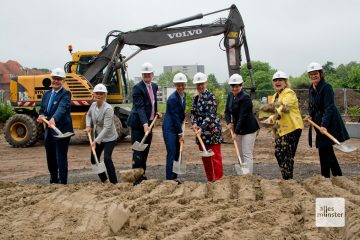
262, 74
165, 79
329, 67
212, 82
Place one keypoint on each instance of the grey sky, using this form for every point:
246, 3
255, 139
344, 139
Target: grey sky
288, 34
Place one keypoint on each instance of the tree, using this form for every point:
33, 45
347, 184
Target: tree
329, 67
165, 79
262, 74
212, 82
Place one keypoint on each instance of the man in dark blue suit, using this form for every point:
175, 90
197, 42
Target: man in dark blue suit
143, 111
172, 125
55, 107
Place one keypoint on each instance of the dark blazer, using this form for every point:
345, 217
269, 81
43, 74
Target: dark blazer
323, 112
175, 113
141, 108
239, 111
60, 110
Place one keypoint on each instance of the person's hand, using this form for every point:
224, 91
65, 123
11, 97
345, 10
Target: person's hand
146, 128
40, 118
267, 121
159, 114
88, 129
307, 117
52, 123
323, 130
181, 138
93, 144
199, 131
229, 126
234, 136
194, 127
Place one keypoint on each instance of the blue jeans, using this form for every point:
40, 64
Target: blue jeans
173, 148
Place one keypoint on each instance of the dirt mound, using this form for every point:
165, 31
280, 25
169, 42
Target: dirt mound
244, 207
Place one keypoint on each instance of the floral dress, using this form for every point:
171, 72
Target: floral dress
204, 115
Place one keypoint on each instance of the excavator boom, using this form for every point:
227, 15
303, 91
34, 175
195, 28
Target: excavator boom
161, 35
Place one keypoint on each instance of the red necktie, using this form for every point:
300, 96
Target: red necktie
151, 95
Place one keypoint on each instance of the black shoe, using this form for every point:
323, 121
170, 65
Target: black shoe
178, 181
140, 179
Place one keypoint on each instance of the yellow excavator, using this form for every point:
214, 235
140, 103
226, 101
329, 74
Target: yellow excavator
22, 130
109, 67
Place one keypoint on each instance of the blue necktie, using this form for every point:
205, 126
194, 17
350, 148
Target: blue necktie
53, 94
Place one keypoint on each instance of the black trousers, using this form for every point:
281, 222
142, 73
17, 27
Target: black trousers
56, 156
108, 148
285, 149
140, 157
329, 162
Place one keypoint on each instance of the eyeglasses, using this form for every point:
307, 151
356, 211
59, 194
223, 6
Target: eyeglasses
278, 79
236, 85
57, 78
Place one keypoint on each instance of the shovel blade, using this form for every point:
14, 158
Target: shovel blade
65, 135
345, 147
241, 170
98, 168
139, 147
179, 167
207, 153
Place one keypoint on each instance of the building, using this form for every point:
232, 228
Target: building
188, 70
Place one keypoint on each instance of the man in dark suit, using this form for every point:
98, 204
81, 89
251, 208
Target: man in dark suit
143, 111
55, 107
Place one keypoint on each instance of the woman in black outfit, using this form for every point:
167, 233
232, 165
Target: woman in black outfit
322, 111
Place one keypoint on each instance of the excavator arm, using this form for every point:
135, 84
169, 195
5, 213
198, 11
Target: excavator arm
161, 35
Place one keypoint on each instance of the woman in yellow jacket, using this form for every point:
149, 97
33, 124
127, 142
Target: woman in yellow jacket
287, 122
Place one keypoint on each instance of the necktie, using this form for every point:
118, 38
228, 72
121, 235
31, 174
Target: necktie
151, 94
51, 101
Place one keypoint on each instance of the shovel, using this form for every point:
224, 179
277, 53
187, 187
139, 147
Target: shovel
98, 167
60, 134
204, 153
240, 168
341, 146
179, 166
141, 146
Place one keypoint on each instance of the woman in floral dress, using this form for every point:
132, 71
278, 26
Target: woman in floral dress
206, 122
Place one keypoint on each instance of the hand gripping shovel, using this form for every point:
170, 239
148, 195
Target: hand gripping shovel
204, 153
341, 146
141, 146
179, 166
59, 133
240, 168
98, 167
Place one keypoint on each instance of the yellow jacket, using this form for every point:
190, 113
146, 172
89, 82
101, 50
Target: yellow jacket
287, 108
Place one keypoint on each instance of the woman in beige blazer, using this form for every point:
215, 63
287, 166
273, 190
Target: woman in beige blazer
100, 121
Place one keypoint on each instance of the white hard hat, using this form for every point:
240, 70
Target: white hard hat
100, 88
199, 78
314, 67
236, 79
58, 72
147, 68
280, 74
179, 78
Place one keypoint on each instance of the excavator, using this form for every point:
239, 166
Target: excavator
109, 67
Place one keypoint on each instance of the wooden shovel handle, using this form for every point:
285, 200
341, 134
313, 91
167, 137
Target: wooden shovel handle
235, 143
92, 148
183, 133
200, 140
51, 126
151, 125
326, 133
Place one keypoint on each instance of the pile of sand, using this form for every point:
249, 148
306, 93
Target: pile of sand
245, 207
